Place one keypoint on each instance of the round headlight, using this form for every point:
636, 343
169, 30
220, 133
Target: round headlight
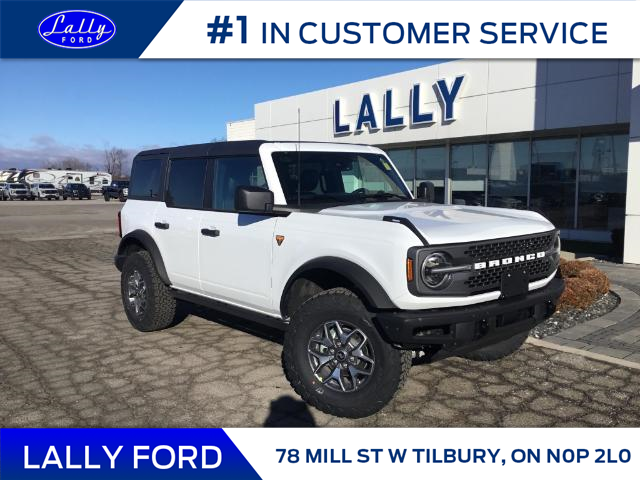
434, 280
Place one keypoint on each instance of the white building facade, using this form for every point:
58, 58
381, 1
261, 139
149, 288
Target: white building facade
558, 136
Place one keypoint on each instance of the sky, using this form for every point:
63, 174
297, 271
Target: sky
51, 109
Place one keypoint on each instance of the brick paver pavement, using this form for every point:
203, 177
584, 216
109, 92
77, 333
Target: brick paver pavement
68, 357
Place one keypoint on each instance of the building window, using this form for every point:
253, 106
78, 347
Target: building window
508, 174
553, 179
431, 163
404, 160
602, 183
468, 174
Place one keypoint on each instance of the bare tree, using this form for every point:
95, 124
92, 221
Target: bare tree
68, 163
114, 158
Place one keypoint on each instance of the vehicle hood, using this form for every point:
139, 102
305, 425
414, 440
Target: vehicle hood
443, 224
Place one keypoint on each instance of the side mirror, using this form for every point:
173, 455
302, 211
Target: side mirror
426, 191
253, 199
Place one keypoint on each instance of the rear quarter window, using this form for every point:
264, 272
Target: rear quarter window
146, 179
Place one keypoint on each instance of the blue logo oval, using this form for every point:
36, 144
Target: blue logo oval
77, 29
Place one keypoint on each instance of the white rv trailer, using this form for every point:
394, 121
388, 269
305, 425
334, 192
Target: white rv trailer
10, 175
95, 180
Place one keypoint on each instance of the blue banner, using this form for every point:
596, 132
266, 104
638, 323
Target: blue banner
121, 454
37, 29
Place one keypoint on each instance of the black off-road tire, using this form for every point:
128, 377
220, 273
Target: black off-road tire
499, 350
107, 197
391, 365
161, 307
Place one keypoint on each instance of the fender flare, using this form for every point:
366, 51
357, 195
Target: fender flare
365, 283
142, 238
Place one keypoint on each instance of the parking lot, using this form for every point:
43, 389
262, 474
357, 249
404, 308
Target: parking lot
68, 356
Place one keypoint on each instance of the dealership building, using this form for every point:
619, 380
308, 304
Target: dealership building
561, 137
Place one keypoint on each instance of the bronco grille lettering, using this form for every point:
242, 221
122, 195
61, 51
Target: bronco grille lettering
508, 260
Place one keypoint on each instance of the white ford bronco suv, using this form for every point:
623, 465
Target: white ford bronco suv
326, 242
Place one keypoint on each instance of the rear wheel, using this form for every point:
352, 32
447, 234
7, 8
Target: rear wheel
335, 359
106, 197
498, 350
147, 301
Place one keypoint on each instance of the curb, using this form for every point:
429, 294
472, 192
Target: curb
585, 353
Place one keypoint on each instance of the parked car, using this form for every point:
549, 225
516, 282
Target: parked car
326, 242
76, 190
118, 189
43, 191
16, 191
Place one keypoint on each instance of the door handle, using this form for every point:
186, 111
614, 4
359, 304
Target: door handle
162, 225
210, 232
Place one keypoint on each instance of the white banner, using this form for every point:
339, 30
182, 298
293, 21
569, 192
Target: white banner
404, 29
499, 454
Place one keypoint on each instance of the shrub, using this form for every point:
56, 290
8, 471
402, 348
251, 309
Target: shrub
578, 293
584, 284
597, 278
572, 268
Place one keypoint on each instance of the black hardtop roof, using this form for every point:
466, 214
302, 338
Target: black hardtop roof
244, 147
241, 147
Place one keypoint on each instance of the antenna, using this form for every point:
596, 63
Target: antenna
299, 162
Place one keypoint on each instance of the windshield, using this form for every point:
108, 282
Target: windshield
17, 185
46, 185
338, 177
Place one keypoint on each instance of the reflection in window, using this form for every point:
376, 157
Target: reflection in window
508, 174
603, 182
404, 161
553, 179
430, 165
468, 173
234, 172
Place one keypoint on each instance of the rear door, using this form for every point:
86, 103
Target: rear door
177, 221
236, 248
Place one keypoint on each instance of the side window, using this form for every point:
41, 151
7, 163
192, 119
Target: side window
186, 183
234, 172
146, 179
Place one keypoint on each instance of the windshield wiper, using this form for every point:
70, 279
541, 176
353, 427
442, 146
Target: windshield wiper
385, 195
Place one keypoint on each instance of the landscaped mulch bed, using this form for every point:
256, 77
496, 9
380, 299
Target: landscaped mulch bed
568, 318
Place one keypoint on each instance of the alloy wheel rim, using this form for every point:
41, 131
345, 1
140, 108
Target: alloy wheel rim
341, 356
137, 292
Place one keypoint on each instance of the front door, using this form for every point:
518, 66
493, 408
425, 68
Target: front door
236, 248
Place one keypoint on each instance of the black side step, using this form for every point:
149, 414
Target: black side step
232, 310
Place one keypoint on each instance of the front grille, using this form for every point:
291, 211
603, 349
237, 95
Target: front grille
510, 248
490, 278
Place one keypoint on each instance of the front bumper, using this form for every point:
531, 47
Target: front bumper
458, 330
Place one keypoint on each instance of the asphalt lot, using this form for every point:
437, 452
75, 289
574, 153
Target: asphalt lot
68, 356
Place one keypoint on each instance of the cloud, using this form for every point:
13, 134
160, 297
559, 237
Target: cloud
43, 148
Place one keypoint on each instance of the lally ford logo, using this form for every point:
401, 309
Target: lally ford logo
77, 29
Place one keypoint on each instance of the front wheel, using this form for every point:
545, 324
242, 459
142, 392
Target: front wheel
335, 359
147, 301
106, 197
498, 350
